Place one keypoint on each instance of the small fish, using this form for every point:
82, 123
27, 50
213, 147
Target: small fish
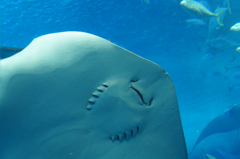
232, 109
212, 74
233, 57
236, 27
237, 86
199, 10
221, 43
207, 156
238, 49
235, 68
145, 1
233, 78
195, 21
208, 55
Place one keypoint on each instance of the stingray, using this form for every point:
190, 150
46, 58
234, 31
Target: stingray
74, 95
225, 122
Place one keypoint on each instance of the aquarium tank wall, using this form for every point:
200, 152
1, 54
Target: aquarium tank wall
197, 43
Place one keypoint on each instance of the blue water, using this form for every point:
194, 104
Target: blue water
158, 32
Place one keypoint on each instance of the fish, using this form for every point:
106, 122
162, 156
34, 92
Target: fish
225, 122
233, 78
221, 42
237, 86
195, 21
76, 95
233, 57
213, 23
208, 55
238, 49
212, 74
197, 9
207, 156
234, 68
236, 27
210, 52
145, 1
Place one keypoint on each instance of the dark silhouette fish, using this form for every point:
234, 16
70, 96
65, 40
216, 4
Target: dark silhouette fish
225, 122
8, 51
195, 21
237, 86
233, 78
234, 68
221, 43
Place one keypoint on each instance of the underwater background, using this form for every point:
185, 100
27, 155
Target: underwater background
201, 58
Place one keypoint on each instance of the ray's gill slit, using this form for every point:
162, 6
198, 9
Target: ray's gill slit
125, 135
95, 95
